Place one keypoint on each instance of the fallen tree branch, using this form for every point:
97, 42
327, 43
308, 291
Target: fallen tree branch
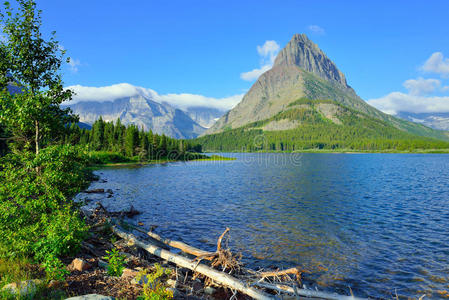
292, 271
217, 276
182, 246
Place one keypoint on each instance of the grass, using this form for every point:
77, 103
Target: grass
101, 159
17, 270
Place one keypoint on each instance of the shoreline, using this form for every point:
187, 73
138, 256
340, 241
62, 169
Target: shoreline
344, 151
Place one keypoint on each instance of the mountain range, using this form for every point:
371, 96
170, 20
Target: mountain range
144, 111
301, 70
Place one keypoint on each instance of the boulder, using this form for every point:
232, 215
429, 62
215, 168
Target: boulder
129, 273
78, 264
26, 288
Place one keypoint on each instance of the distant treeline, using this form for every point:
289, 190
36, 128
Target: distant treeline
357, 132
129, 141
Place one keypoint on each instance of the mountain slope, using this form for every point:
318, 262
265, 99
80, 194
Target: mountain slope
317, 124
301, 69
141, 111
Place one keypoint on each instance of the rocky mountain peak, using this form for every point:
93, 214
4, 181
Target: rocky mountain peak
304, 53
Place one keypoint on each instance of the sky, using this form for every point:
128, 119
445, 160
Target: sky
395, 54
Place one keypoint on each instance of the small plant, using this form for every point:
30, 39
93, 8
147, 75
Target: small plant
153, 288
116, 262
55, 269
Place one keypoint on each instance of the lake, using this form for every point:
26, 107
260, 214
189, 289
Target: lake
377, 223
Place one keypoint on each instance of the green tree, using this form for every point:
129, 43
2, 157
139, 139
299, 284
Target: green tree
131, 140
34, 116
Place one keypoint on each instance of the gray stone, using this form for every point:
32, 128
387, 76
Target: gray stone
171, 283
102, 264
174, 291
91, 297
209, 290
26, 288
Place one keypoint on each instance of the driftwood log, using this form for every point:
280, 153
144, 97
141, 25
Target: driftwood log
219, 277
181, 246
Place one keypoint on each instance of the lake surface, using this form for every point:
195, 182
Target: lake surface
378, 223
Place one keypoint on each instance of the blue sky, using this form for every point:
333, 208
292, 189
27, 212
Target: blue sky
203, 47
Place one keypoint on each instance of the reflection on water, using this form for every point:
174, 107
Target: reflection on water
374, 222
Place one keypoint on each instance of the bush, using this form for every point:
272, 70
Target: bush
55, 269
153, 288
104, 157
37, 218
116, 262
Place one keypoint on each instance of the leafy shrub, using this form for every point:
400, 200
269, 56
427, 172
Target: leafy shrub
36, 215
116, 262
55, 269
103, 157
153, 288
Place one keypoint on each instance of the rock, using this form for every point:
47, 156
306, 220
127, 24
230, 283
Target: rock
143, 279
26, 288
109, 196
94, 191
53, 284
174, 291
109, 191
91, 297
129, 273
102, 264
209, 290
78, 264
171, 283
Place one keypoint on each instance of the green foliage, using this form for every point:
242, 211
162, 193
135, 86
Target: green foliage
116, 262
34, 116
55, 269
117, 143
153, 288
104, 157
355, 131
36, 216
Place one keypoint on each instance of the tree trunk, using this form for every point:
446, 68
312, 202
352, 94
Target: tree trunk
36, 137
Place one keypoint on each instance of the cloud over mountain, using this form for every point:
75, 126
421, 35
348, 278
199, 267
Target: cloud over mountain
122, 90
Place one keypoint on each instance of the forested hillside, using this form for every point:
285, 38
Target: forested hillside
318, 124
129, 141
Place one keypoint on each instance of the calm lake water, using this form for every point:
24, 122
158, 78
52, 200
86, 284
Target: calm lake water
378, 223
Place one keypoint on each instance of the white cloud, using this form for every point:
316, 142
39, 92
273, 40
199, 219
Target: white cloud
316, 29
267, 53
74, 64
421, 86
437, 63
254, 74
122, 90
397, 101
